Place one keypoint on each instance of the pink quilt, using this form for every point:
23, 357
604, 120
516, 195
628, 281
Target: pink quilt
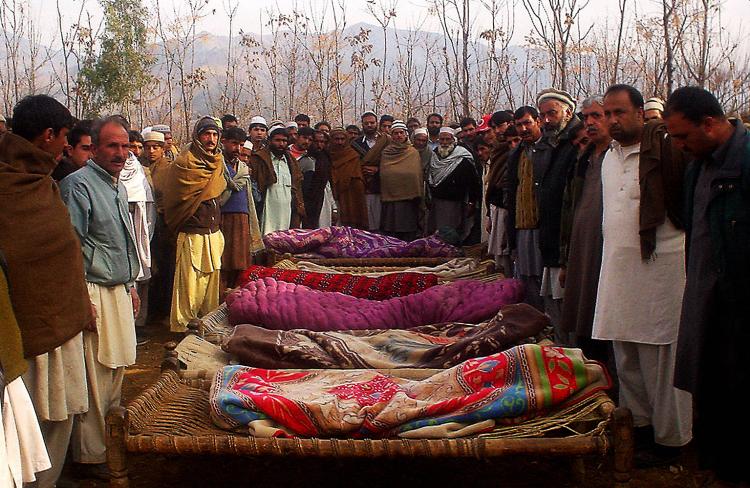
284, 306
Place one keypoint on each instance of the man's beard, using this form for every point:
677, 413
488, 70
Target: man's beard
277, 152
433, 131
555, 131
444, 152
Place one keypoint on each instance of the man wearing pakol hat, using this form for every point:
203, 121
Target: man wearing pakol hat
653, 109
552, 161
98, 205
280, 183
191, 188
239, 221
454, 186
169, 147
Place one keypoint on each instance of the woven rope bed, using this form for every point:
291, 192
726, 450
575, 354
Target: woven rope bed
172, 417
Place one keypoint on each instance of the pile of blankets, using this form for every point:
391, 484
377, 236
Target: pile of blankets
283, 306
371, 288
347, 242
469, 398
429, 346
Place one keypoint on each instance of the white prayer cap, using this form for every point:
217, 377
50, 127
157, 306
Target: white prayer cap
369, 112
153, 136
654, 103
275, 128
421, 130
398, 124
447, 130
289, 125
248, 145
258, 120
146, 130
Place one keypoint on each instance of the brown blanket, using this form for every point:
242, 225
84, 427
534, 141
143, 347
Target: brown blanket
45, 264
349, 187
430, 346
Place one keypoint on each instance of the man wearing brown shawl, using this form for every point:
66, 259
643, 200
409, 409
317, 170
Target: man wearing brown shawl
348, 182
45, 271
280, 183
401, 185
191, 189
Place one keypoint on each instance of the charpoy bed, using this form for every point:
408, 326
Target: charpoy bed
172, 417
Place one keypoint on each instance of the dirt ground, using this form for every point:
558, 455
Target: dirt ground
152, 471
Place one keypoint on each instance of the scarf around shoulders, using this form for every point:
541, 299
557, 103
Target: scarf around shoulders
194, 177
440, 169
400, 173
133, 177
45, 263
345, 166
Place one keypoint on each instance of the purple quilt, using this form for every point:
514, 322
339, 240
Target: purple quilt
346, 242
284, 306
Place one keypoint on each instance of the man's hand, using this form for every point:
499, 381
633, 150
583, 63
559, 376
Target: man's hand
91, 326
136, 301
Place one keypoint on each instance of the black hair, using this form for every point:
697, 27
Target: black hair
413, 119
36, 113
133, 136
525, 110
454, 126
694, 103
302, 118
501, 117
435, 115
321, 123
80, 129
306, 132
228, 118
325, 134
386, 118
234, 134
368, 114
353, 127
467, 121
511, 131
633, 94
98, 125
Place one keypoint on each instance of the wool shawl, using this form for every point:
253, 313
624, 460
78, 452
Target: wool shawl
45, 263
12, 364
348, 187
195, 176
441, 168
400, 173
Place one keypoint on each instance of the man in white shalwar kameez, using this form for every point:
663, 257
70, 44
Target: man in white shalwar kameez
639, 300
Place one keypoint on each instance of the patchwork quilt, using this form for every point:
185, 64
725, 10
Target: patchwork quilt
347, 242
519, 383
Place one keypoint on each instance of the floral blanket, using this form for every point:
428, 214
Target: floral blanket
347, 242
372, 288
519, 383
283, 306
431, 346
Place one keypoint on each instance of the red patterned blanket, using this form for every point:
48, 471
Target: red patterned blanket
379, 288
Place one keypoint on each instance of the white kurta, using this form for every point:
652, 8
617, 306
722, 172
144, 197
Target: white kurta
637, 300
326, 211
277, 210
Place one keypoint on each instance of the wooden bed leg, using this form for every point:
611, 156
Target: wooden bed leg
623, 446
116, 451
578, 468
170, 358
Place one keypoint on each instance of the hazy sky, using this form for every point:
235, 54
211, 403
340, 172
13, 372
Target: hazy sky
409, 13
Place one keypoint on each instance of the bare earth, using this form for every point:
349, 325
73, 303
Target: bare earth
158, 471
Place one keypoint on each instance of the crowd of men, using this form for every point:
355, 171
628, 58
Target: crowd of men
593, 205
